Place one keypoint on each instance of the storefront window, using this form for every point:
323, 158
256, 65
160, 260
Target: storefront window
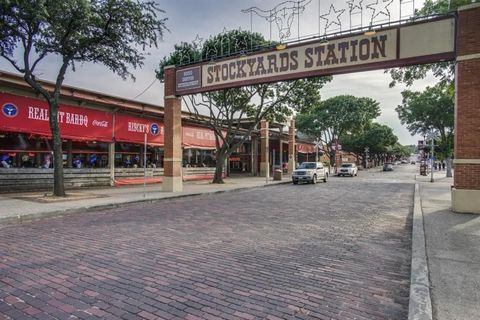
128, 155
198, 158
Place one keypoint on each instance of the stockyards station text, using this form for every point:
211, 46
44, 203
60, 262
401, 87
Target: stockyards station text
346, 52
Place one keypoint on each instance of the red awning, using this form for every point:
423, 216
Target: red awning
198, 138
27, 115
132, 129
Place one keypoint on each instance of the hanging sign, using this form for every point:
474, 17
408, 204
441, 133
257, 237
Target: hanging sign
305, 148
409, 44
132, 129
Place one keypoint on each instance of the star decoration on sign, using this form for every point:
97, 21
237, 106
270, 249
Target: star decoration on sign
380, 7
355, 4
331, 16
197, 43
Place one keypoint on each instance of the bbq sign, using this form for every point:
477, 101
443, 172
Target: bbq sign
398, 46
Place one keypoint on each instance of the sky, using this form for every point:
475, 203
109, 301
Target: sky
189, 18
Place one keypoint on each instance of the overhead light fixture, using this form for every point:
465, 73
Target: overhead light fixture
370, 32
281, 46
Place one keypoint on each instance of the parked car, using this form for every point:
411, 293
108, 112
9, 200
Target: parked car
348, 169
310, 172
404, 161
388, 166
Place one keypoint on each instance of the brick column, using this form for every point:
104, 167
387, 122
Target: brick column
254, 155
466, 190
264, 144
291, 147
172, 162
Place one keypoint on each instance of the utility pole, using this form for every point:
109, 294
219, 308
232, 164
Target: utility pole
317, 145
431, 154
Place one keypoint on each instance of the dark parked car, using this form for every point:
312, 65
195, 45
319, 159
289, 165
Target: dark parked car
387, 166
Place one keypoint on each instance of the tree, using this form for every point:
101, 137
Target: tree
378, 138
111, 32
432, 109
224, 111
444, 71
333, 118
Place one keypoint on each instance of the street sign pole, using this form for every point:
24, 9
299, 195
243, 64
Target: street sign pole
317, 145
431, 152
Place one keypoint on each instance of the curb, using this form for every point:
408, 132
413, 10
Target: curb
420, 305
86, 209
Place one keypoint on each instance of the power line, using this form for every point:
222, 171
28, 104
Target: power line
146, 89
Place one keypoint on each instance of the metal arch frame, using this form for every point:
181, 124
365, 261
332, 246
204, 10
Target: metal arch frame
331, 35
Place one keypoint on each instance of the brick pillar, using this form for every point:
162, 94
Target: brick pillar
466, 189
264, 143
172, 162
291, 147
254, 155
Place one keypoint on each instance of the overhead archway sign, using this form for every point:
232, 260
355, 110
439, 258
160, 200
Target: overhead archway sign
391, 47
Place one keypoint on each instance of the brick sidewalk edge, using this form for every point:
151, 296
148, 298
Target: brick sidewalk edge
420, 305
85, 209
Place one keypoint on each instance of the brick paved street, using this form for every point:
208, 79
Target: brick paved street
339, 250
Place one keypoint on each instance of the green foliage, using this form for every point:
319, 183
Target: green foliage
432, 109
337, 116
379, 138
227, 43
112, 32
444, 71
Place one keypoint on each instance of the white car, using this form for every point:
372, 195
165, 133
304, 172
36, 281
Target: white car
310, 172
348, 169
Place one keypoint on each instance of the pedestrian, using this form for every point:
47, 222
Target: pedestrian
4, 159
434, 166
93, 160
443, 165
47, 160
25, 161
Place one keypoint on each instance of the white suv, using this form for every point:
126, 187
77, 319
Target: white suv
348, 169
310, 172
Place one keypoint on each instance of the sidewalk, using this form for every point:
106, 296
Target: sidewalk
24, 206
453, 252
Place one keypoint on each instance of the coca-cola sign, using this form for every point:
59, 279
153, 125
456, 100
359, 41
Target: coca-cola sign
100, 123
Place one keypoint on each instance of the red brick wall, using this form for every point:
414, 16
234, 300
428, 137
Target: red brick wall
264, 143
467, 176
467, 104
